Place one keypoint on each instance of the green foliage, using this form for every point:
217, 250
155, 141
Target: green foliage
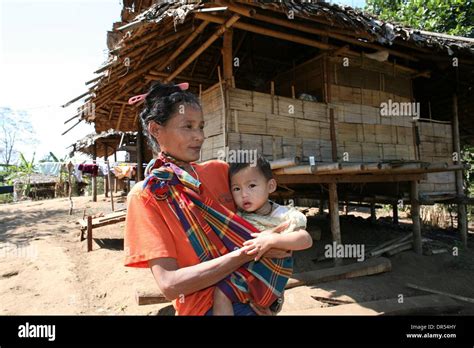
454, 17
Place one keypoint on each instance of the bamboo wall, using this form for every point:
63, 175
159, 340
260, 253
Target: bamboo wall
436, 145
278, 126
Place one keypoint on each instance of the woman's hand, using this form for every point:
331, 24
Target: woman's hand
277, 253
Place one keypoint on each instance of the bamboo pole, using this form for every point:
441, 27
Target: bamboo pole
69, 171
462, 211
139, 153
269, 32
119, 121
284, 162
94, 177
109, 179
183, 46
415, 216
203, 47
304, 169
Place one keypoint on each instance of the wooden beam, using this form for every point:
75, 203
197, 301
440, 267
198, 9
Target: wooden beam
313, 30
183, 46
152, 63
119, 121
149, 297
322, 179
227, 58
395, 213
204, 46
462, 209
269, 32
433, 291
415, 216
353, 270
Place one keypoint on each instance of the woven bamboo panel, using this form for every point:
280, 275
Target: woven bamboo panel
436, 145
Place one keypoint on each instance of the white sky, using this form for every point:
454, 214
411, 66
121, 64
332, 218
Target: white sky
48, 50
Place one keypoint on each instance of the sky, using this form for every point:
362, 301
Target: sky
48, 50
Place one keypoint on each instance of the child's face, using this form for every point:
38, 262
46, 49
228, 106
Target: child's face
250, 189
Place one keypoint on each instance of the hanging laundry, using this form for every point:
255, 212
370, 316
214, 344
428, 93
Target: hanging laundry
77, 173
124, 171
92, 169
103, 168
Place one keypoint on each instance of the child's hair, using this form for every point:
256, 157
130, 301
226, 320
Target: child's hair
262, 164
161, 103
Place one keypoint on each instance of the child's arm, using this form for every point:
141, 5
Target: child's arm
297, 240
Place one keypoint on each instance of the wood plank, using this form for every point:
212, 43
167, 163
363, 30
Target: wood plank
431, 304
149, 297
358, 269
347, 178
457, 297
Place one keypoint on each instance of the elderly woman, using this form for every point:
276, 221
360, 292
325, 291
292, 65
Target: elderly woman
177, 219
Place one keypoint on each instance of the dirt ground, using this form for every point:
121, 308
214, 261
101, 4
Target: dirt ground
45, 269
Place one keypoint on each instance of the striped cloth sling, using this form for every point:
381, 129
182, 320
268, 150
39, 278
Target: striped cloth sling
213, 230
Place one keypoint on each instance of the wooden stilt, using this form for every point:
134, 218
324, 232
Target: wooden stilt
334, 212
94, 178
373, 215
395, 213
462, 210
415, 216
115, 178
89, 233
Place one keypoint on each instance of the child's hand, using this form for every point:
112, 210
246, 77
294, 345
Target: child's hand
260, 244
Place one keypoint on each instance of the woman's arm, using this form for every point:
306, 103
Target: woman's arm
297, 240
175, 282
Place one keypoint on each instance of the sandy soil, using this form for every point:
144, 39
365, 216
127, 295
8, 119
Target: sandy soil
44, 269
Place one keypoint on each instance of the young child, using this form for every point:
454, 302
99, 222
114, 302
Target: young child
251, 187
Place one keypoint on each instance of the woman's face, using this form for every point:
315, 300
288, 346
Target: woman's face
182, 135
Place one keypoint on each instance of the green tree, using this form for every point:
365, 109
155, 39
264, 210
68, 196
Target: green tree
454, 17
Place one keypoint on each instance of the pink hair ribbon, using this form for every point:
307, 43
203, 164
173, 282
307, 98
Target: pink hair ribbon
138, 98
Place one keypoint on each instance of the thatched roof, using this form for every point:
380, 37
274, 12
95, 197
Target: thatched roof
157, 43
106, 142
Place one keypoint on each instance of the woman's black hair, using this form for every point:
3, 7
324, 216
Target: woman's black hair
161, 104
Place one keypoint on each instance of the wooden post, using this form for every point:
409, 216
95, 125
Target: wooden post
462, 209
89, 233
332, 126
139, 153
415, 216
109, 180
94, 177
115, 178
69, 170
373, 215
395, 213
334, 212
227, 56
